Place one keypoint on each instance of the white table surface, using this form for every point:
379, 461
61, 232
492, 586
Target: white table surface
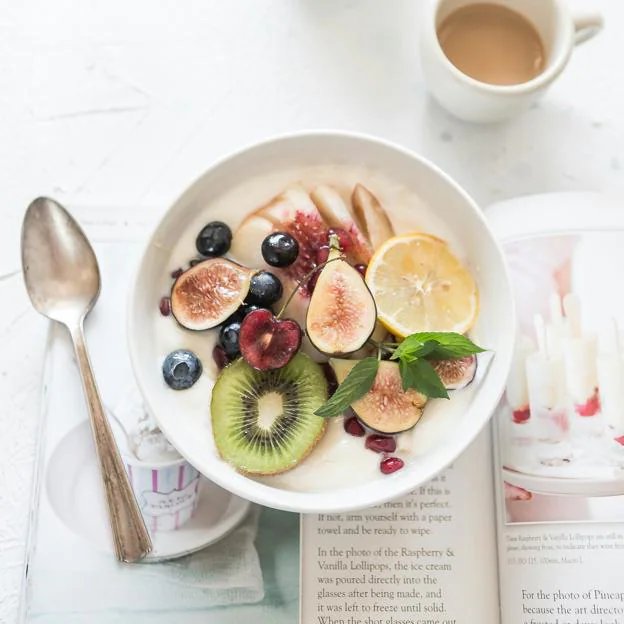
123, 103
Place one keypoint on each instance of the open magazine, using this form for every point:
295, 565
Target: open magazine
526, 527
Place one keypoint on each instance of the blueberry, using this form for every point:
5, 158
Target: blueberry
280, 249
265, 289
238, 315
214, 239
246, 308
228, 339
181, 369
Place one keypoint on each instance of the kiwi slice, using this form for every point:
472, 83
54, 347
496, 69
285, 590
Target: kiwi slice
263, 422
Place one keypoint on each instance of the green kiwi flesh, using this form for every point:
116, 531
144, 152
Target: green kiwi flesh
263, 422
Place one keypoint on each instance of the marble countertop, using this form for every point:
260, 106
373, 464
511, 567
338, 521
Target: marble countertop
110, 105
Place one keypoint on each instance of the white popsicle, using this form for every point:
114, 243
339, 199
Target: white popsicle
579, 354
610, 373
555, 328
546, 386
517, 390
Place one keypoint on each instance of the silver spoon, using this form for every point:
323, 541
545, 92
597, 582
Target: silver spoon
63, 281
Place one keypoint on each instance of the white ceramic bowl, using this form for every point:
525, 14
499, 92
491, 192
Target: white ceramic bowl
495, 326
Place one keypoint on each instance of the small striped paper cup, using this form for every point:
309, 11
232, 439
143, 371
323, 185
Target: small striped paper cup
167, 492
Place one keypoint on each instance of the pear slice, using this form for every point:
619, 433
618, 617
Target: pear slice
337, 215
371, 216
386, 407
342, 314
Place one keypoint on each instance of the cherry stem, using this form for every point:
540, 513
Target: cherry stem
304, 279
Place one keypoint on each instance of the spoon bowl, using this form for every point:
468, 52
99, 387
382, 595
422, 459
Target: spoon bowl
60, 268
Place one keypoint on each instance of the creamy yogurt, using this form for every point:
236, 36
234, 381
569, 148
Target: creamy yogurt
339, 459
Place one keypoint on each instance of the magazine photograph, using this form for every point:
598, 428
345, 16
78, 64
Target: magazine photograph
561, 428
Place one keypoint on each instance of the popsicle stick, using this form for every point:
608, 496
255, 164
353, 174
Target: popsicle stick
554, 339
540, 333
556, 314
572, 309
609, 337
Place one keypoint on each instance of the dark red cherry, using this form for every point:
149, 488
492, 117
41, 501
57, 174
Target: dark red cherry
267, 342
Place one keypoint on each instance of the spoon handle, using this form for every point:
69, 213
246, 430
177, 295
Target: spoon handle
131, 539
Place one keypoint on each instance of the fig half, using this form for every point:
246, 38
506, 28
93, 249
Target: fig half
456, 373
386, 407
206, 294
342, 314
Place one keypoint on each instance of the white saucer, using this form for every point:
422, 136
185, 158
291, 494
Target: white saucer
75, 493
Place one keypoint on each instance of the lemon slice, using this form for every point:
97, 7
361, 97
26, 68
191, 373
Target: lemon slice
419, 285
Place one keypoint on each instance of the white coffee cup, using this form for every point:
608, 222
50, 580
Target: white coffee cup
473, 100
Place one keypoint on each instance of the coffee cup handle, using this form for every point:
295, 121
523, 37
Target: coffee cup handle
586, 25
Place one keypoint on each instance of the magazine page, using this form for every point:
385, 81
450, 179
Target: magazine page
427, 558
561, 434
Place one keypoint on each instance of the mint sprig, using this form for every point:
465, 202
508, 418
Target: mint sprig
413, 355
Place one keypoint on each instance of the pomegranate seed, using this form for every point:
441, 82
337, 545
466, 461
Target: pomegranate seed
321, 254
620, 440
380, 443
220, 357
354, 427
175, 274
344, 238
165, 306
521, 415
391, 464
361, 268
590, 407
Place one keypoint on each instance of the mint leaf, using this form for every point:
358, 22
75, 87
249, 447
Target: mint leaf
447, 345
415, 350
408, 374
356, 384
421, 376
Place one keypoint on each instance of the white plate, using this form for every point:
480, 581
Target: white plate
564, 487
74, 489
441, 196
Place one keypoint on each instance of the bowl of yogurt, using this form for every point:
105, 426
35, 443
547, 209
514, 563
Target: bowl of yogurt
294, 267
